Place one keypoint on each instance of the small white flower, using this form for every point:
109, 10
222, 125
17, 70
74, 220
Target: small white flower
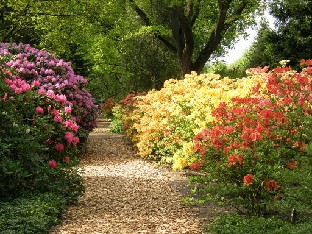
27, 131
4, 113
284, 62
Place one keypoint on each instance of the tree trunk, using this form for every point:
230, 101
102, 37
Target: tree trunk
183, 19
183, 36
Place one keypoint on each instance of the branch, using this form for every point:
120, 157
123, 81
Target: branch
15, 27
195, 15
215, 36
147, 22
189, 10
140, 13
186, 30
50, 14
236, 15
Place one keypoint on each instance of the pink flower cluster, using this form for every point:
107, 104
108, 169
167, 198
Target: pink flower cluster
52, 164
71, 125
59, 147
70, 138
39, 110
18, 85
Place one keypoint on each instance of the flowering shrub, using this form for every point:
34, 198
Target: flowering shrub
107, 107
256, 142
122, 111
44, 112
252, 135
163, 123
50, 76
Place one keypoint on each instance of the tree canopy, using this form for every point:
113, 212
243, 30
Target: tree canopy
195, 30
290, 40
128, 45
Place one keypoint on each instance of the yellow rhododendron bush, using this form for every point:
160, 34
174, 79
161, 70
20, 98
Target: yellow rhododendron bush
162, 124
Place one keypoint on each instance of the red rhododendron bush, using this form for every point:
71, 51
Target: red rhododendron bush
257, 151
46, 113
250, 137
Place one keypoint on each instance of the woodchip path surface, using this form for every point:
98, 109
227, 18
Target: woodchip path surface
126, 194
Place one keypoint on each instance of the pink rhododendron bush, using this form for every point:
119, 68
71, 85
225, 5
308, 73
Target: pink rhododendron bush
251, 138
46, 113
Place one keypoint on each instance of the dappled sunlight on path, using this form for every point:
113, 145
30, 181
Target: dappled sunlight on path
126, 194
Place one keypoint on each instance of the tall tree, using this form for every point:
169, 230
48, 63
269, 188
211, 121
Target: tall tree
290, 40
123, 45
195, 30
98, 36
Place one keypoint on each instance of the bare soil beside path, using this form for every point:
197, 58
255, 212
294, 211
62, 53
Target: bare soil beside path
126, 194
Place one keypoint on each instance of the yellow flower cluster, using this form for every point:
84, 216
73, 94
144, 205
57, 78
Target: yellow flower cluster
165, 121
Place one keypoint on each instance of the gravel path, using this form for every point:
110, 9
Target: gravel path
126, 194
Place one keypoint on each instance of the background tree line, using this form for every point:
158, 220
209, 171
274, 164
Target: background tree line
291, 39
124, 46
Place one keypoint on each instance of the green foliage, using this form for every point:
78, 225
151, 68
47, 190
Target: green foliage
20, 151
291, 39
35, 213
151, 65
117, 120
233, 71
296, 197
298, 193
116, 125
237, 224
66, 183
17, 23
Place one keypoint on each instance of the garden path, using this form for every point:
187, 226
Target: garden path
126, 194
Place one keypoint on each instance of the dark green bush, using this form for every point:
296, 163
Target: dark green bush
31, 214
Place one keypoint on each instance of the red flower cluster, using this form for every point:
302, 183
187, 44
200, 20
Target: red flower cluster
259, 131
248, 179
292, 165
128, 103
197, 165
271, 185
236, 159
108, 105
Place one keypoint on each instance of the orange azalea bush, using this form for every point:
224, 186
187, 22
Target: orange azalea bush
163, 123
257, 146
